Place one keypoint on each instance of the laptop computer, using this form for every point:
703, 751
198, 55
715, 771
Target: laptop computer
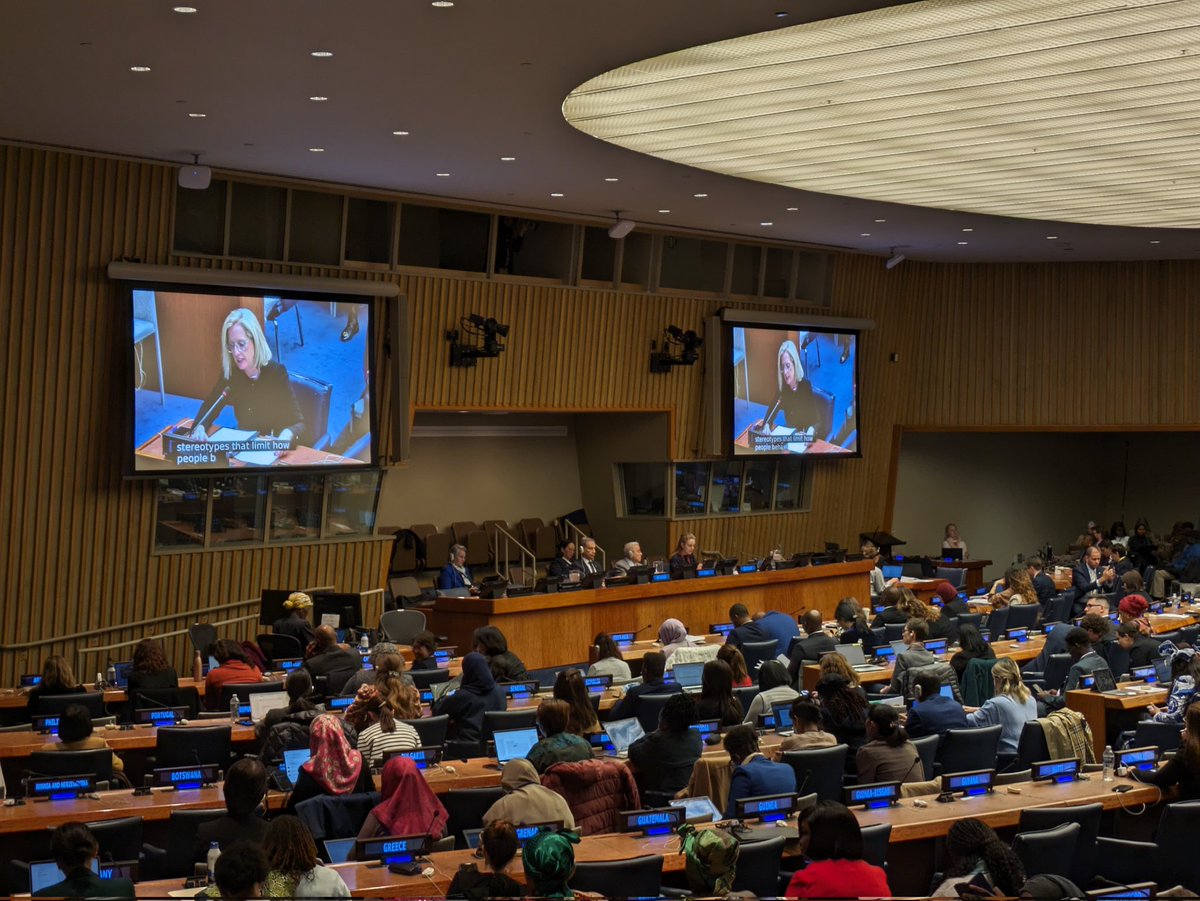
121, 671
289, 770
45, 873
623, 733
951, 554
698, 810
512, 743
689, 674
337, 850
892, 572
1162, 669
263, 701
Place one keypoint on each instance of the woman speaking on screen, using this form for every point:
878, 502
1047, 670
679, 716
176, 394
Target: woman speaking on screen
802, 409
256, 387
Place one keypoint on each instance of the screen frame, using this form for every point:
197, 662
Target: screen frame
126, 288
727, 386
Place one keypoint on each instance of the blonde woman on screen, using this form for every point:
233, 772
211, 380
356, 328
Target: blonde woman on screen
257, 387
801, 409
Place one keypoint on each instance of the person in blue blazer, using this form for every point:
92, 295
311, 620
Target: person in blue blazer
753, 774
932, 713
456, 573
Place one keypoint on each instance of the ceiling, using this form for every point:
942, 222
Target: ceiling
473, 83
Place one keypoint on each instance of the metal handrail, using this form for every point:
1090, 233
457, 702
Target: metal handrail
500, 559
578, 537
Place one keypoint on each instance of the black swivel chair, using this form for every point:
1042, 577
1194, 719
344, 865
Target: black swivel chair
875, 843
998, 623
1170, 860
1031, 747
640, 877
1023, 616
746, 695
758, 867
820, 770
176, 859
1050, 851
955, 575
118, 839
312, 397
970, 619
1164, 736
893, 631
431, 729
279, 647
520, 718
647, 709
755, 652
1082, 869
927, 746
201, 636
97, 762
964, 750
190, 745
465, 808
48, 705
424, 678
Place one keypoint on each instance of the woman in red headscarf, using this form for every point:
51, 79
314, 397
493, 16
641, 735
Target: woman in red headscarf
333, 767
409, 806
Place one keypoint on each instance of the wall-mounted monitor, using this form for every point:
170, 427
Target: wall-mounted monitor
249, 379
792, 390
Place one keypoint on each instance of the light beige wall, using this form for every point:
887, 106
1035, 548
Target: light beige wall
1010, 492
510, 478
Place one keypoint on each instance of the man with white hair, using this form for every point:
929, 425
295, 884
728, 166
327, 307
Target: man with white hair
633, 557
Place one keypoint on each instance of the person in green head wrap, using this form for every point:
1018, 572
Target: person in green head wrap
549, 860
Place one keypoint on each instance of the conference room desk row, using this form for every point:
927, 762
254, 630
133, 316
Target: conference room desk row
915, 832
1021, 651
1108, 714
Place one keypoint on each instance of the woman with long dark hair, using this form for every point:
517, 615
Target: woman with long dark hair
844, 709
716, 695
975, 850
888, 755
774, 687
609, 660
831, 839
853, 622
296, 872
569, 687
971, 646
504, 664
150, 668
737, 665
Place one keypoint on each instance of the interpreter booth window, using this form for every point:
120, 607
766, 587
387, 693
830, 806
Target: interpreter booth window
644, 486
239, 505
691, 488
790, 485
756, 485
350, 506
726, 494
181, 509
296, 503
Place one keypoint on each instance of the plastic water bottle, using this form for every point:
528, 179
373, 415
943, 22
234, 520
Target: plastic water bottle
100, 681
1108, 763
214, 851
234, 703
364, 644
110, 674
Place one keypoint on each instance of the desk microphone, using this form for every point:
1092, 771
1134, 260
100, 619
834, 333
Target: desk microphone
643, 629
771, 413
207, 413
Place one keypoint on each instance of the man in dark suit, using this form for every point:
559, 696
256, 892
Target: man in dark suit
810, 648
1042, 583
564, 564
331, 660
587, 564
1090, 575
933, 714
654, 664
745, 629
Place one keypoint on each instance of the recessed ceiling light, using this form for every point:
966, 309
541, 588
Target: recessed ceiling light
401, 133
968, 229
322, 54
782, 14
864, 234
186, 10
612, 179
442, 4
317, 98
316, 149
793, 209
555, 194
1156, 242
881, 220
139, 68
197, 115
765, 224
962, 243
664, 211
442, 174
1051, 237
508, 159
699, 195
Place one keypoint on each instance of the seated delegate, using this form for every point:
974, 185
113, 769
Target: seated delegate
1011, 705
73, 847
932, 713
333, 767
526, 800
325, 657
753, 774
244, 789
477, 694
609, 660
455, 574
888, 755
150, 668
504, 664
294, 622
831, 839
654, 664
233, 668
558, 744
663, 759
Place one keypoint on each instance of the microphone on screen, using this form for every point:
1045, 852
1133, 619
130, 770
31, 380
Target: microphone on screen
771, 413
216, 403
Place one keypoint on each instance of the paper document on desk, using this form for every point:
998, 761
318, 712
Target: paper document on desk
257, 458
227, 434
697, 639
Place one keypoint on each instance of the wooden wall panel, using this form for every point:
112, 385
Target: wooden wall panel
980, 346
